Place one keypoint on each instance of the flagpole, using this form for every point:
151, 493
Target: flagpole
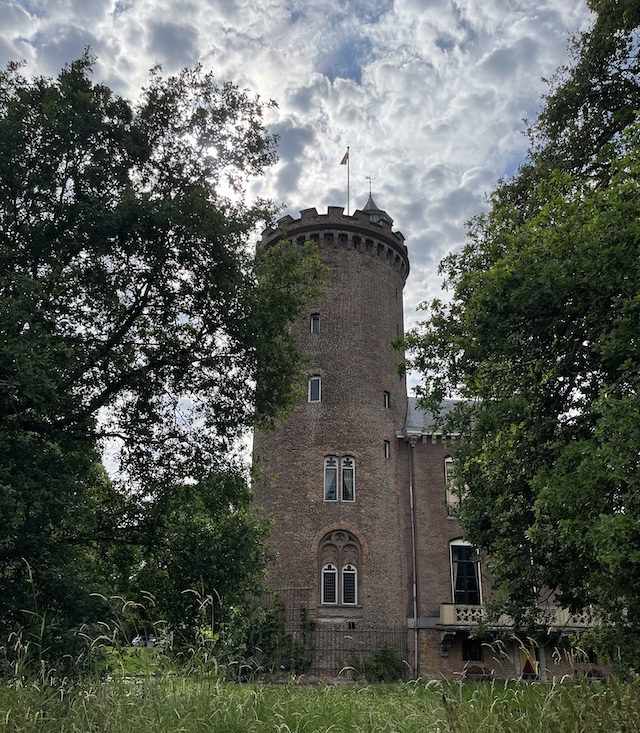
348, 193
346, 161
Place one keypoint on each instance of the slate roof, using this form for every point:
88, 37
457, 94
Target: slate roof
422, 420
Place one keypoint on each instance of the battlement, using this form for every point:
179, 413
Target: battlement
366, 231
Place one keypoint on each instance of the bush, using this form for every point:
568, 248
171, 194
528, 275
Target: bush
383, 666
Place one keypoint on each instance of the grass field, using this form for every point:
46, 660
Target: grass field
202, 705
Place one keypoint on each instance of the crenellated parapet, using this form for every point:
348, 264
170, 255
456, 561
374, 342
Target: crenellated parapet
367, 231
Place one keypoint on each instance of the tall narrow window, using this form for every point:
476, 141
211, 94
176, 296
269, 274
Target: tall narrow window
348, 479
315, 392
349, 585
452, 496
315, 323
386, 399
387, 449
331, 478
329, 584
465, 573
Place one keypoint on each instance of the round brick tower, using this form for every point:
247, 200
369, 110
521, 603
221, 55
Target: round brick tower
332, 475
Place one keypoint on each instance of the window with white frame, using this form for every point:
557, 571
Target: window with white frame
339, 558
348, 479
329, 584
386, 399
465, 574
349, 585
315, 323
331, 478
339, 478
315, 389
452, 494
387, 449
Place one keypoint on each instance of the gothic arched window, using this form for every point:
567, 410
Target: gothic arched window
348, 479
339, 485
339, 557
330, 478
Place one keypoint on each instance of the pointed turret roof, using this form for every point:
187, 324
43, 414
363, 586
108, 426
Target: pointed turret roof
376, 214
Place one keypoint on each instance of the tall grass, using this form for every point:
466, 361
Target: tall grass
185, 689
168, 704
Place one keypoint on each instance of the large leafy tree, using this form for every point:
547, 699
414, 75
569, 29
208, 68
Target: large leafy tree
134, 317
540, 340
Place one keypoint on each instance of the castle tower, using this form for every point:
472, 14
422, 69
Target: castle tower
332, 475
356, 479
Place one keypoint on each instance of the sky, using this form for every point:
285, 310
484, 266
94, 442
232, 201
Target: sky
429, 95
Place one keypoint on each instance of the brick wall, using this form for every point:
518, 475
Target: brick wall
361, 314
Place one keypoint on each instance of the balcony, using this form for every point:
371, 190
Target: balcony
466, 616
460, 615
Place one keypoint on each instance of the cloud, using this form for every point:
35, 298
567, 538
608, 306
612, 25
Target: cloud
429, 95
174, 45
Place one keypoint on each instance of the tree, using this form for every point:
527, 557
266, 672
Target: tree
134, 315
540, 342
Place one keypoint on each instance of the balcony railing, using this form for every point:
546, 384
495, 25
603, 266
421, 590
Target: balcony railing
457, 614
466, 615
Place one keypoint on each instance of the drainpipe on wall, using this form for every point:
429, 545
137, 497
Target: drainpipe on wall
414, 560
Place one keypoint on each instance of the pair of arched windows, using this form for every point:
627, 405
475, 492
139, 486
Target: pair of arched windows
339, 478
340, 556
339, 586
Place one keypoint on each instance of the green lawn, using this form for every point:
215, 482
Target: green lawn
201, 705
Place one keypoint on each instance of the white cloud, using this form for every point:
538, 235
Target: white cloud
430, 95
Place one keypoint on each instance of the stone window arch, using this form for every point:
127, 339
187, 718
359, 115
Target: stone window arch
339, 555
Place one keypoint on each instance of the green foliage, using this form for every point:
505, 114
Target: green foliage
589, 103
134, 316
384, 666
540, 341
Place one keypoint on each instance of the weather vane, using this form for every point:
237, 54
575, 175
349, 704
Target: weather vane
368, 178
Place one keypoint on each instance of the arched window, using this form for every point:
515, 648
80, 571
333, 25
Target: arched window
349, 584
331, 478
465, 573
339, 486
348, 479
339, 558
329, 584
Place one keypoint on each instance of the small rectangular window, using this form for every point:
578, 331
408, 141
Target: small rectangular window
386, 399
472, 650
387, 449
314, 389
315, 323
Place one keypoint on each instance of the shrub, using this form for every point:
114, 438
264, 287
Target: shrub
383, 666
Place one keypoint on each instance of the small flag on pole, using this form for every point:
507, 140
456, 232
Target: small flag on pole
345, 158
